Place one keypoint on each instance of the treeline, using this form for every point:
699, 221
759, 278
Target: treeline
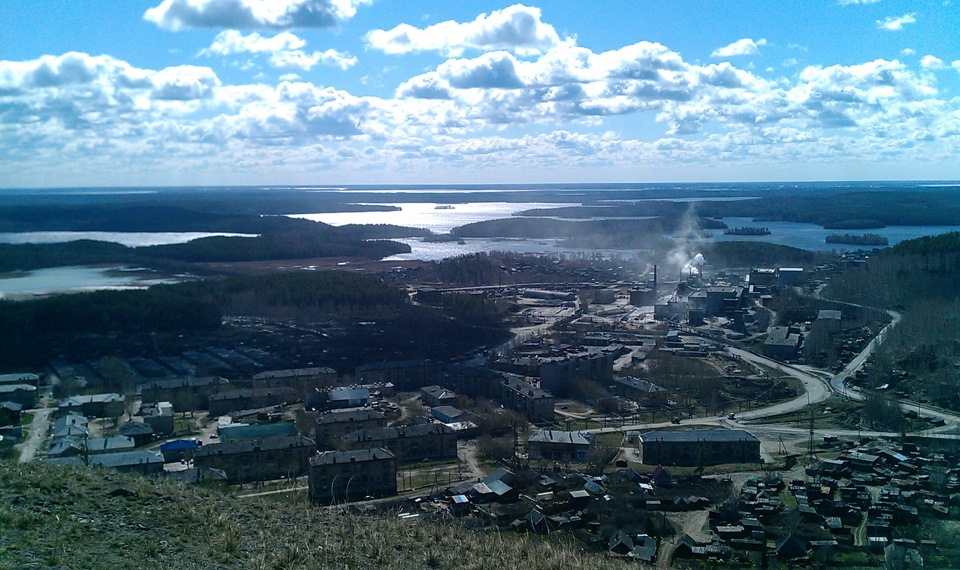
760, 254
612, 231
853, 239
834, 209
286, 245
379, 231
160, 308
301, 290
28, 329
920, 269
279, 238
208, 210
81, 252
747, 231
647, 208
921, 278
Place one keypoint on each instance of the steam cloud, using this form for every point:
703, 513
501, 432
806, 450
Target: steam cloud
684, 256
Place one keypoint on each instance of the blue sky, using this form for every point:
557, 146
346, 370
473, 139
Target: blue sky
184, 92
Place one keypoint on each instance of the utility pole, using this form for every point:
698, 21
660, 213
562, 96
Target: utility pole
811, 450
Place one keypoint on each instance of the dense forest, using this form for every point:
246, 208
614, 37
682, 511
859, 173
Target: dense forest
272, 238
833, 210
365, 319
189, 307
919, 278
854, 239
606, 233
760, 254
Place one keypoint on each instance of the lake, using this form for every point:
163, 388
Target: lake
129, 239
28, 284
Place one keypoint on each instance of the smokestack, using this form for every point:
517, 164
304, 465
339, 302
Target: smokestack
654, 281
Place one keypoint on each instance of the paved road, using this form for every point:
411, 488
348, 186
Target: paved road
816, 389
838, 382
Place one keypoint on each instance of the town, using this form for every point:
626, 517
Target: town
688, 415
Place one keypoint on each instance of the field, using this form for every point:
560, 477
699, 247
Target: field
59, 517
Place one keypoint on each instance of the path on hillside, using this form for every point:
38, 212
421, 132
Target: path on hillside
468, 452
38, 433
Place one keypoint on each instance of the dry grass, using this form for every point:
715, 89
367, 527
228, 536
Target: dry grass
85, 518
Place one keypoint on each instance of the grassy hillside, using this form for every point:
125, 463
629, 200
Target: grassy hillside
82, 518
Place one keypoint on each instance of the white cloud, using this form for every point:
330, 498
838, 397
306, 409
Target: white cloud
495, 70
931, 62
907, 52
79, 112
790, 62
231, 42
184, 83
744, 46
426, 86
518, 29
853, 2
955, 64
284, 50
895, 24
251, 14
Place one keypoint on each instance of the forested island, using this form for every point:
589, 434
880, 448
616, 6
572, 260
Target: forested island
836, 209
853, 239
79, 323
273, 238
747, 231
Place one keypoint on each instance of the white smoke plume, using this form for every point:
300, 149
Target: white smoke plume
684, 256
695, 265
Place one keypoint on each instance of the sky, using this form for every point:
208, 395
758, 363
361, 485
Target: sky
330, 92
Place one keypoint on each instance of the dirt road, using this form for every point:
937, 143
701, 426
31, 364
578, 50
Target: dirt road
37, 434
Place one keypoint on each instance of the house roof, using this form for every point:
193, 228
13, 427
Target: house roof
522, 387
18, 378
383, 434
252, 445
639, 384
179, 445
346, 416
11, 388
248, 431
294, 373
498, 487
62, 445
699, 435
449, 411
561, 437
830, 315
645, 547
790, 546
107, 398
135, 428
70, 430
348, 394
620, 539
127, 458
439, 393
254, 393
191, 382
393, 365
355, 456
112, 460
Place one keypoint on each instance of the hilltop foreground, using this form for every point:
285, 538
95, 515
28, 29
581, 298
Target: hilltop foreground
92, 518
